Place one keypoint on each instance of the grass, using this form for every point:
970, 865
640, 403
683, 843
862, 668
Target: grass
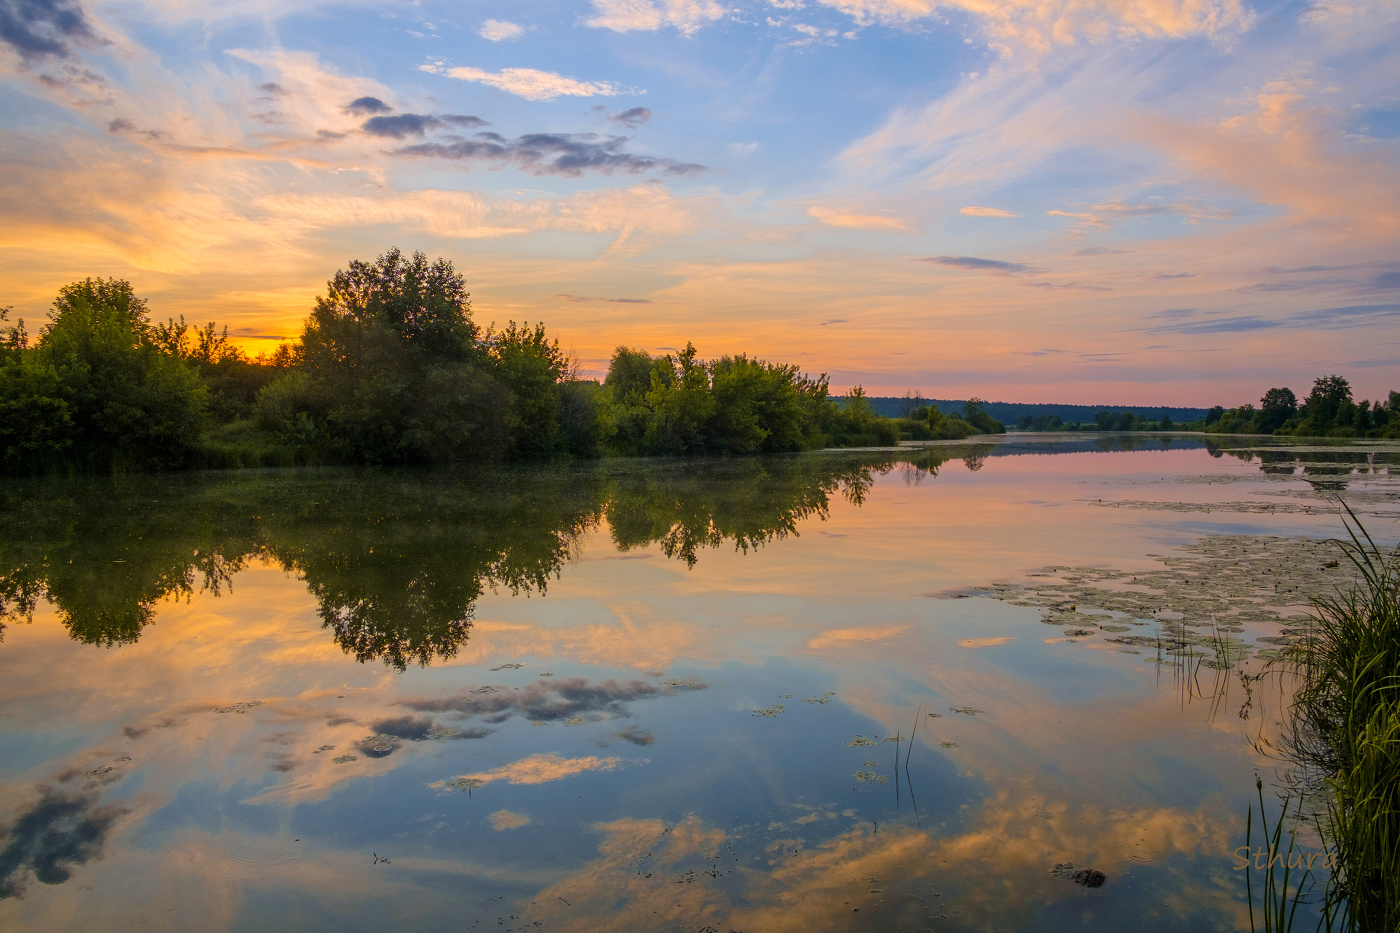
1345, 734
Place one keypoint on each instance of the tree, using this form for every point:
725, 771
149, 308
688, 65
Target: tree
1325, 402
1276, 408
96, 391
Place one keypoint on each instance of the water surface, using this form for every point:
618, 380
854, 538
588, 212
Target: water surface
885, 690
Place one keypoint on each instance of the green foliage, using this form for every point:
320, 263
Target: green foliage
1328, 411
1347, 728
680, 404
95, 392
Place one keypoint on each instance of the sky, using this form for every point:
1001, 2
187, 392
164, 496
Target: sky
1128, 202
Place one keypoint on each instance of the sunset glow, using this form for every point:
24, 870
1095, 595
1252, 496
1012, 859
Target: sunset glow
1128, 202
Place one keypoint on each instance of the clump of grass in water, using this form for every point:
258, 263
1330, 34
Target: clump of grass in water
1346, 727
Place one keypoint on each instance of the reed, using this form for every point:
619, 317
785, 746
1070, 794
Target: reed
1346, 732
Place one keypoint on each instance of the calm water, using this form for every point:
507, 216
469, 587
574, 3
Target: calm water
654, 696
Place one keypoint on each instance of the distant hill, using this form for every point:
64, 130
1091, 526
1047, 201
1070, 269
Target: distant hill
1008, 412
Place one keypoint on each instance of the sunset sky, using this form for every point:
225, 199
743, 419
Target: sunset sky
1096, 201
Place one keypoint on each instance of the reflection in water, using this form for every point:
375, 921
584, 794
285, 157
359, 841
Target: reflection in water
60, 831
397, 561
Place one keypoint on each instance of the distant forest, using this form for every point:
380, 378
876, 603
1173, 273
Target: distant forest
391, 368
894, 406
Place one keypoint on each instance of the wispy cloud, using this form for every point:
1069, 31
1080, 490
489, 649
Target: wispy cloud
1320, 319
837, 217
632, 117
977, 264
539, 769
499, 30
588, 298
975, 211
685, 16
529, 83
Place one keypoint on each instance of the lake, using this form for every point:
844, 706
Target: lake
941, 688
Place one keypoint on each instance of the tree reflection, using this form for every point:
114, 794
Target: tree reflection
395, 560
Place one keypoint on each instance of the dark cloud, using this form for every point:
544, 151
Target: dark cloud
328, 134
1174, 275
40, 29
54, 836
558, 699
365, 106
1386, 281
416, 124
835, 320
272, 89
631, 118
636, 736
569, 154
620, 301
390, 734
1099, 251
981, 265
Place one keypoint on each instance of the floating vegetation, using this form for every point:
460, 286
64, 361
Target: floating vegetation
1089, 877
861, 741
576, 721
870, 777
1248, 508
785, 696
870, 764
324, 748
538, 722
467, 784
443, 732
239, 708
894, 738
482, 691
122, 758
768, 712
965, 710
688, 683
508, 667
822, 700
547, 674
105, 769
949, 744
1200, 597
344, 759
935, 715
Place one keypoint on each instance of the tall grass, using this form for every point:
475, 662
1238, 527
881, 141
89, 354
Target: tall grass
1346, 728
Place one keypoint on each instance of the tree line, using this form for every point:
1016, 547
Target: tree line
1328, 411
391, 368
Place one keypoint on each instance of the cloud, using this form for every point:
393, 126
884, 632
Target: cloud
40, 29
835, 217
416, 124
1039, 25
1320, 319
846, 636
975, 211
631, 118
505, 819
499, 30
540, 769
685, 16
977, 264
1164, 276
569, 154
636, 736
990, 642
528, 83
360, 106
57, 834
587, 298
545, 702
